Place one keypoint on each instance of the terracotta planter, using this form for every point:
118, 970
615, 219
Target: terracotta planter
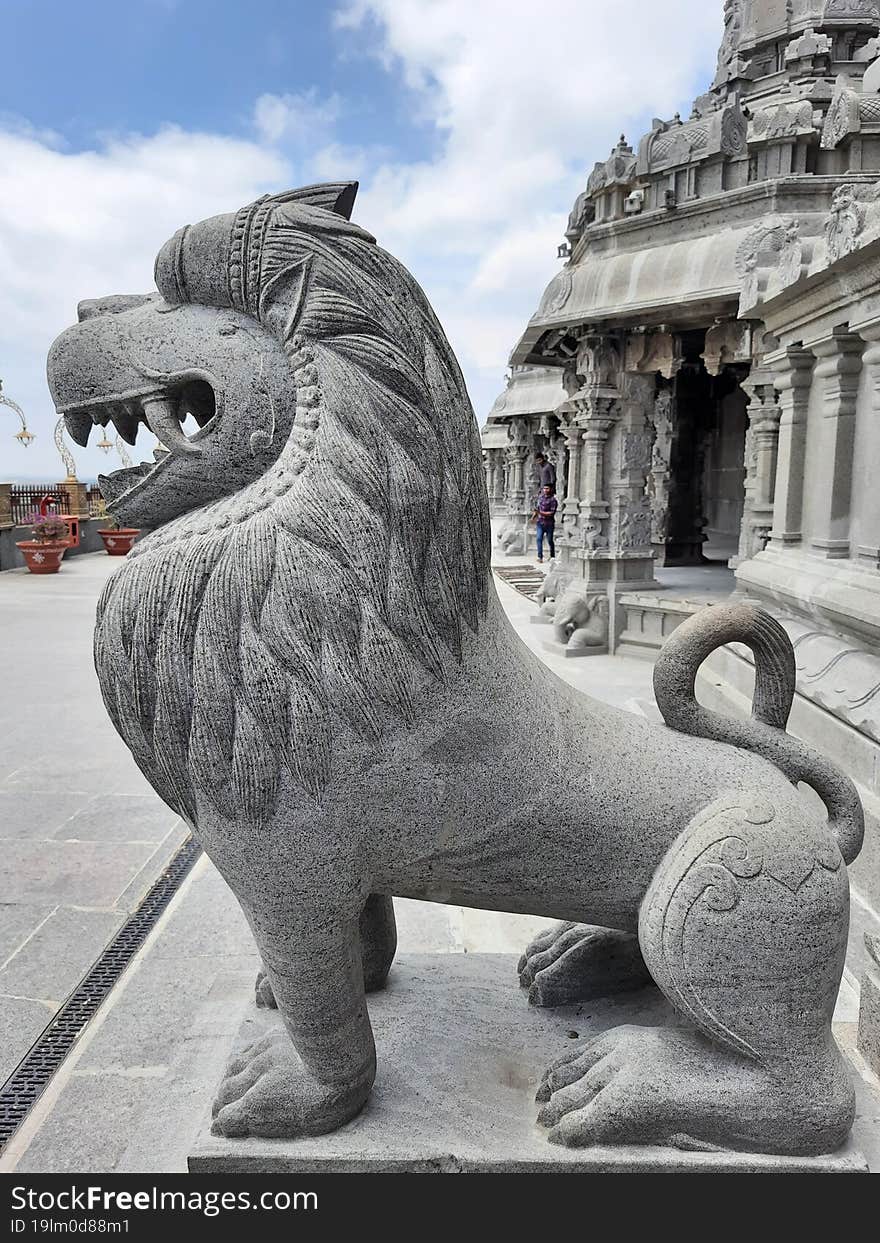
118, 543
42, 556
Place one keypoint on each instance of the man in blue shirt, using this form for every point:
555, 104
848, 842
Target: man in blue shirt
545, 513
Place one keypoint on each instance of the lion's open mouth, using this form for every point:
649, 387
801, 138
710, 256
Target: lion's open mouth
162, 410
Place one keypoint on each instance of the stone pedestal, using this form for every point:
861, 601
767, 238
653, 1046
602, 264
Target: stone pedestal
461, 1054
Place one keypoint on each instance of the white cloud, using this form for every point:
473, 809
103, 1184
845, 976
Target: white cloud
519, 105
303, 119
82, 225
525, 103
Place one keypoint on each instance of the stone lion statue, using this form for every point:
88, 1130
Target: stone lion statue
309, 663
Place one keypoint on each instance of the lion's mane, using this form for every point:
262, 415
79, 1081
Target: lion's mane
239, 641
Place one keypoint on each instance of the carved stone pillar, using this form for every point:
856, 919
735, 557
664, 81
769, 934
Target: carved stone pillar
837, 371
659, 483
630, 526
792, 371
596, 419
497, 493
867, 522
761, 451
517, 452
516, 490
558, 454
572, 436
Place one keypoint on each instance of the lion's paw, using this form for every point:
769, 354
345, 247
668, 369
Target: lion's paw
268, 1092
672, 1087
577, 962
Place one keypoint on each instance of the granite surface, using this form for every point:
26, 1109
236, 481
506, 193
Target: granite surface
461, 1057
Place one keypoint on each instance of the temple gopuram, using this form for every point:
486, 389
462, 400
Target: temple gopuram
704, 372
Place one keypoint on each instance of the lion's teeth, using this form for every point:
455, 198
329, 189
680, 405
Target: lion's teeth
162, 421
79, 425
125, 423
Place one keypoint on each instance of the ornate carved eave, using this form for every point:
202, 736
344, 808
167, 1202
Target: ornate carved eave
790, 259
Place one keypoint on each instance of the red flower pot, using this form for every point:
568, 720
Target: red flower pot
118, 543
42, 556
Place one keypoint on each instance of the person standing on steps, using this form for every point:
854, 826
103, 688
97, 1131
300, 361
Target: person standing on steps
547, 471
545, 515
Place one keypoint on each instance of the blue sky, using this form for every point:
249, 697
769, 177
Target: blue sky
471, 126
198, 63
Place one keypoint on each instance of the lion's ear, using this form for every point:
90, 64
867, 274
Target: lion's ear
335, 196
282, 298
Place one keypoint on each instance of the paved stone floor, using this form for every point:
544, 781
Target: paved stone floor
86, 837
83, 834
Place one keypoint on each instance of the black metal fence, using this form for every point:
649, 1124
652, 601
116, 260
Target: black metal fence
26, 498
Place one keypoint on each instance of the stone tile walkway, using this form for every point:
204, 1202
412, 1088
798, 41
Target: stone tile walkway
82, 835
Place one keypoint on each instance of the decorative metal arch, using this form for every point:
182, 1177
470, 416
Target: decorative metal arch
66, 455
25, 436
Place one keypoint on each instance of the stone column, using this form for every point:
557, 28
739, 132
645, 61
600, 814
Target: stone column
497, 494
77, 497
867, 550
761, 452
837, 371
659, 484
572, 435
558, 454
630, 526
596, 418
792, 370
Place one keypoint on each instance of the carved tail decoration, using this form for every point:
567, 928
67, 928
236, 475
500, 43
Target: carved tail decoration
674, 687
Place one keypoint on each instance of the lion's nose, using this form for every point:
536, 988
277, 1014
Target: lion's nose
111, 305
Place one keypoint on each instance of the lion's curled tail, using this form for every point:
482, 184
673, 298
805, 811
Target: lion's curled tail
674, 687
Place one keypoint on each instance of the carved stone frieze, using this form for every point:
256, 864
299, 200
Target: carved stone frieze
782, 120
867, 9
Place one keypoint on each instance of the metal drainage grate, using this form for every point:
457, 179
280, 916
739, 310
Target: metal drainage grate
524, 578
26, 1084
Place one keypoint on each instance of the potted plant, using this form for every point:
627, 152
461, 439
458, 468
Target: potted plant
117, 540
50, 541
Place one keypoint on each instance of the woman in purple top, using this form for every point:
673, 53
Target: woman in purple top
545, 513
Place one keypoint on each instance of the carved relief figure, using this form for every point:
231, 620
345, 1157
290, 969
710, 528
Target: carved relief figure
316, 699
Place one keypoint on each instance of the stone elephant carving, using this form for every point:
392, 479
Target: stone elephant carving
581, 621
511, 539
552, 588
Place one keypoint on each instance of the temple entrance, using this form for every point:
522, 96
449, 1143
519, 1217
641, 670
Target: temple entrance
705, 474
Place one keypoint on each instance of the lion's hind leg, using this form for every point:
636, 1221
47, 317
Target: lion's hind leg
744, 929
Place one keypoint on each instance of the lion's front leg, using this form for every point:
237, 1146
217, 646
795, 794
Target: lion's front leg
317, 1074
378, 940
